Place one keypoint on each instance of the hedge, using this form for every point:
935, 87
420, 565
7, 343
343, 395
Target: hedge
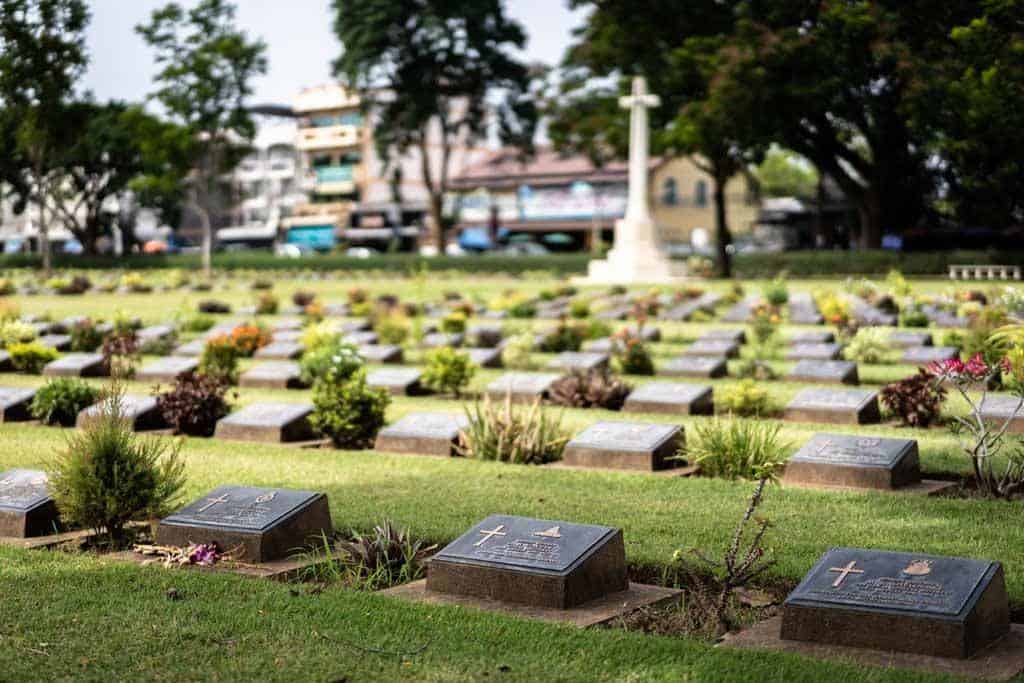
810, 264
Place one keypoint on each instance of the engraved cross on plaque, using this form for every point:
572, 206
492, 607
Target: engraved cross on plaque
489, 534
210, 502
844, 572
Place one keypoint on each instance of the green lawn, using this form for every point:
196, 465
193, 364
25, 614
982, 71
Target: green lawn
70, 616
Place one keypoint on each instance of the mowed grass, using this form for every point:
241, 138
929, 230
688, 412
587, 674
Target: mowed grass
65, 616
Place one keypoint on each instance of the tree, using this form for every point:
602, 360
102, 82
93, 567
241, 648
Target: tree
103, 155
783, 173
428, 69
206, 70
679, 54
42, 54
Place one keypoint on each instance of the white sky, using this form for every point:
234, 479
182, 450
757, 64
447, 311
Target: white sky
300, 45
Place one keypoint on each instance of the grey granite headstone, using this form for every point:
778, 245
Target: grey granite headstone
923, 355
812, 337
280, 374
138, 410
154, 333
166, 369
381, 353
397, 381
288, 323
59, 342
5, 361
998, 408
193, 349
713, 348
626, 445
485, 358
423, 434
855, 461
904, 602
814, 352
15, 402
436, 340
743, 311
845, 406
578, 360
287, 335
26, 508
721, 334
906, 339
253, 524
523, 387
541, 563
77, 365
824, 371
485, 336
694, 366
803, 310
279, 350
673, 398
360, 338
268, 422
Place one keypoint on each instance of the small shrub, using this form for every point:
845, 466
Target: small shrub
870, 345
194, 404
303, 298
213, 306
776, 292
523, 309
591, 388
632, 356
349, 412
314, 311
454, 323
262, 284
565, 337
16, 332
6, 286
579, 309
85, 336
356, 295
336, 358
32, 357
745, 399
916, 400
266, 304
134, 282
897, 284
737, 449
597, 329
107, 476
393, 328
59, 401
248, 338
8, 310
516, 434
220, 359
200, 322
386, 557
447, 370
159, 346
318, 334
835, 310
913, 317
700, 266
518, 351
121, 352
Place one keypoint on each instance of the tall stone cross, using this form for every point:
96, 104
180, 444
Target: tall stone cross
637, 210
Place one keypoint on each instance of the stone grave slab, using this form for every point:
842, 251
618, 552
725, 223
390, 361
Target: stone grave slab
835, 406
138, 410
999, 407
685, 310
866, 314
288, 323
673, 398
647, 333
844, 460
5, 361
485, 336
77, 365
903, 602
361, 338
620, 312
154, 333
824, 372
268, 422
812, 337
523, 387
541, 563
279, 350
437, 340
286, 335
397, 381
742, 311
423, 434
713, 348
579, 360
485, 357
626, 445
803, 310
814, 352
336, 310
193, 349
723, 334
923, 355
253, 524
381, 353
59, 342
602, 345
26, 508
694, 366
352, 326
278, 374
15, 402
904, 339
166, 369
222, 328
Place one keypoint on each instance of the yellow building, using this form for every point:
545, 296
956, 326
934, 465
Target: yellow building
682, 197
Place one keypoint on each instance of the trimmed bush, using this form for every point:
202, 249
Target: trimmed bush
59, 401
632, 356
16, 332
85, 336
916, 400
220, 359
107, 476
336, 358
448, 371
349, 412
32, 357
745, 399
588, 389
194, 404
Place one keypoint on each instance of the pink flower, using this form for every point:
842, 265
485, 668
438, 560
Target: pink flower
204, 554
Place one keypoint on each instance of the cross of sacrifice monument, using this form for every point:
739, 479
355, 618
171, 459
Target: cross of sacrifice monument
637, 255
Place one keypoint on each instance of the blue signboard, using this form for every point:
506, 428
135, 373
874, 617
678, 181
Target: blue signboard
316, 237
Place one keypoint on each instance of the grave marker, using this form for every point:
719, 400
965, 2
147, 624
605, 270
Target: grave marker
268, 422
137, 410
907, 339
193, 349
837, 406
26, 508
279, 350
485, 358
694, 366
855, 461
672, 398
824, 372
14, 403
166, 369
253, 524
998, 408
423, 434
280, 374
814, 352
58, 342
397, 381
626, 445
923, 355
77, 365
523, 387
381, 353
713, 348
579, 360
812, 337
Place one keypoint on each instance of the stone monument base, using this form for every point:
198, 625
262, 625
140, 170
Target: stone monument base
631, 262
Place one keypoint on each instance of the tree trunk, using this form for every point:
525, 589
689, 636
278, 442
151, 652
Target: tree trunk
871, 219
44, 243
437, 230
723, 237
207, 248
